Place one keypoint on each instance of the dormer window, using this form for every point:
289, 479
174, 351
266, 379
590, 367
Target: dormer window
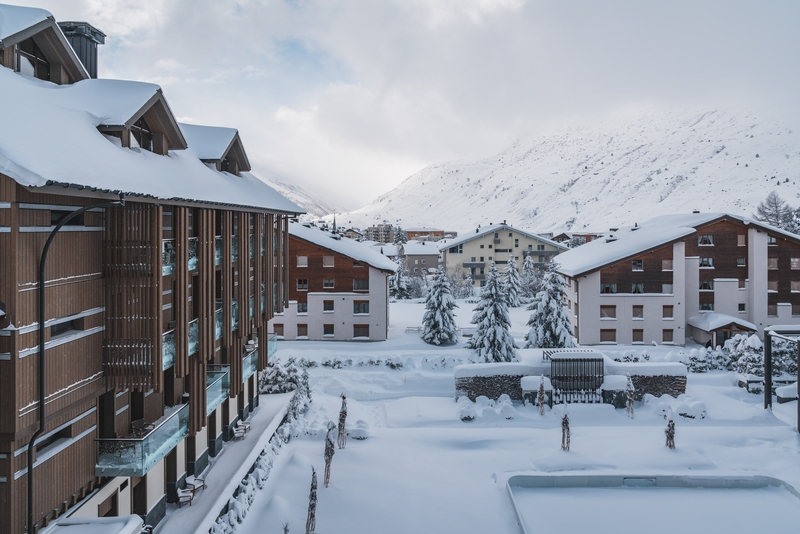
142, 135
31, 60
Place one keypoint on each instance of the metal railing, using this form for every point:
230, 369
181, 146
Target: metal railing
218, 386
194, 334
167, 349
192, 263
218, 323
272, 344
167, 257
136, 456
572, 375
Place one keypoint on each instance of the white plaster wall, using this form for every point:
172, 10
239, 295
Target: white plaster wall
201, 442
691, 286
589, 309
180, 458
233, 408
728, 296
89, 508
679, 281
156, 482
757, 279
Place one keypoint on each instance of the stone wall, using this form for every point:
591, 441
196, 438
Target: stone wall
489, 386
658, 385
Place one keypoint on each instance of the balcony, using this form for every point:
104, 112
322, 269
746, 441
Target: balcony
479, 277
192, 254
496, 240
235, 249
167, 350
474, 264
272, 345
263, 300
235, 314
134, 457
218, 386
252, 246
194, 334
249, 364
167, 257
263, 244
218, 321
252, 306
218, 250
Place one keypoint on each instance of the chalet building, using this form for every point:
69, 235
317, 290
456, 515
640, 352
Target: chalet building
495, 243
381, 233
575, 238
354, 234
419, 256
338, 289
156, 309
705, 276
424, 234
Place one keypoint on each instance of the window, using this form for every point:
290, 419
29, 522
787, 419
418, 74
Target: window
530, 247
416, 262
795, 263
666, 265
539, 247
637, 289
327, 305
302, 307
327, 283
772, 285
423, 262
65, 327
608, 312
473, 259
741, 240
608, 288
608, 336
302, 330
490, 246
278, 329
361, 306
327, 261
772, 263
357, 264
771, 240
360, 285
772, 310
509, 234
795, 287
708, 263
742, 284
705, 240
481, 258
327, 330
497, 235
795, 310
666, 312
481, 246
706, 306
666, 335
706, 285
302, 284
637, 336
666, 289
360, 330
740, 262
637, 265
638, 312
302, 261
742, 307
516, 243
457, 249
541, 259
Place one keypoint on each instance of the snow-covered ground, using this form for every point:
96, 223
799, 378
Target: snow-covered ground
424, 470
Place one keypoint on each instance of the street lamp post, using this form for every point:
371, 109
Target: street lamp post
42, 393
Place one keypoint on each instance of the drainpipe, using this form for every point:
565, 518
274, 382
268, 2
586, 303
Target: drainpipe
42, 263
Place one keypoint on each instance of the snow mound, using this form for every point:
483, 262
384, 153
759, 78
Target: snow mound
685, 406
360, 431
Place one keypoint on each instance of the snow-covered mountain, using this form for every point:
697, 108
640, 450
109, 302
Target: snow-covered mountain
626, 169
314, 207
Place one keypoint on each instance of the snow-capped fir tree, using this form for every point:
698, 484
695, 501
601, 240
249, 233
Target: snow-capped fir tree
342, 438
746, 354
438, 324
466, 286
550, 323
400, 237
398, 283
669, 432
540, 396
311, 522
528, 277
330, 449
698, 360
566, 433
513, 284
629, 391
491, 339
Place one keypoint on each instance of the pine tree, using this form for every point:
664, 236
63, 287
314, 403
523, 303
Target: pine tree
311, 522
774, 211
669, 432
540, 396
698, 360
513, 284
746, 355
466, 286
629, 391
550, 323
329, 451
342, 437
398, 283
566, 433
438, 323
491, 340
528, 277
400, 237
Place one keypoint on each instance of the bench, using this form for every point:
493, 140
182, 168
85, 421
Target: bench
414, 330
240, 430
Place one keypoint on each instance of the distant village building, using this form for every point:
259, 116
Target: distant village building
424, 234
576, 237
338, 289
705, 276
476, 251
382, 233
420, 256
354, 234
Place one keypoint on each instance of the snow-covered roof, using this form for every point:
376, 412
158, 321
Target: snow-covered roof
711, 321
420, 248
212, 143
126, 524
49, 136
14, 19
348, 247
423, 229
495, 228
621, 243
385, 249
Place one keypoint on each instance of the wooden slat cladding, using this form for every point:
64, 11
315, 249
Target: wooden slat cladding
204, 226
652, 276
132, 271
281, 289
180, 303
269, 268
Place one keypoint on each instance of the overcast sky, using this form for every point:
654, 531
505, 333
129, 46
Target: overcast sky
348, 98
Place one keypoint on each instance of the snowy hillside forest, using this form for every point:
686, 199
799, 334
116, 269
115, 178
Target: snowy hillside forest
623, 170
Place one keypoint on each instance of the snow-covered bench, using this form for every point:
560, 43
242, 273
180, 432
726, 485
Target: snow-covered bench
786, 393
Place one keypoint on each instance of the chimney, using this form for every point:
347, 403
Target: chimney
695, 211
84, 38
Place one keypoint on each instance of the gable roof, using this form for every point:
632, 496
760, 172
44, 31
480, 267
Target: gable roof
347, 247
495, 228
420, 248
214, 143
49, 136
712, 321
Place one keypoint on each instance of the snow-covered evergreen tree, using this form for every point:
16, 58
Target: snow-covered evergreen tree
746, 354
629, 393
438, 323
550, 324
513, 284
398, 283
540, 396
669, 432
400, 237
491, 340
698, 360
466, 286
528, 277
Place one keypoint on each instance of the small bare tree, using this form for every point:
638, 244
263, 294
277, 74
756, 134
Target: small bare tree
540, 396
285, 525
566, 434
329, 451
629, 390
670, 430
311, 522
342, 437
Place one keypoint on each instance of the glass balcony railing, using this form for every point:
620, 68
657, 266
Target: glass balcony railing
194, 334
272, 345
167, 350
167, 257
235, 249
252, 306
134, 457
263, 300
235, 314
263, 243
218, 323
192, 253
252, 246
218, 250
218, 386
249, 364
